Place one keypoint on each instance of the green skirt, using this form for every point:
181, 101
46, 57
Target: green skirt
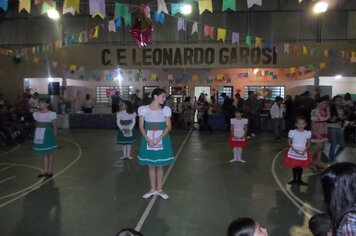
122, 140
160, 157
49, 143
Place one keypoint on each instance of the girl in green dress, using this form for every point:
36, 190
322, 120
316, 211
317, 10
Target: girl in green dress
156, 147
45, 136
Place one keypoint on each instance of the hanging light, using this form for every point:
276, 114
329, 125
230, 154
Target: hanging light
53, 14
320, 7
186, 9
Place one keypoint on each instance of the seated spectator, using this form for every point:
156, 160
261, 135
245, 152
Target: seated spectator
339, 186
320, 225
129, 232
246, 227
88, 104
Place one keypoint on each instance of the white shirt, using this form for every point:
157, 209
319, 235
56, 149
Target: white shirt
239, 126
88, 103
299, 139
123, 115
44, 117
154, 116
277, 111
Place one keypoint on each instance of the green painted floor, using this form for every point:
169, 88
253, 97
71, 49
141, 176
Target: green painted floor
89, 196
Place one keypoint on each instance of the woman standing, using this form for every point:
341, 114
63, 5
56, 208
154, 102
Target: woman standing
155, 148
319, 116
335, 126
188, 113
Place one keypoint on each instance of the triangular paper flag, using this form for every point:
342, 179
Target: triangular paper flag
25, 5
249, 40
305, 50
153, 77
250, 3
158, 17
235, 38
4, 4
209, 31
258, 42
195, 28
111, 26
71, 6
46, 7
162, 7
229, 4
205, 5
286, 48
97, 8
181, 24
221, 34
292, 70
176, 8
96, 32
322, 65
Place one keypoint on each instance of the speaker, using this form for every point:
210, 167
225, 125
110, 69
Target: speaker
53, 88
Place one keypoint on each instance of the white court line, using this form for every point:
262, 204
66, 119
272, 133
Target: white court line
301, 202
10, 151
50, 179
300, 208
7, 167
10, 178
153, 199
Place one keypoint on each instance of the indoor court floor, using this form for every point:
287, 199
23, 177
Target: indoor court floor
90, 196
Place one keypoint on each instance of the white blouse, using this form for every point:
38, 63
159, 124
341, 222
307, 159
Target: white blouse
44, 117
154, 116
299, 139
123, 115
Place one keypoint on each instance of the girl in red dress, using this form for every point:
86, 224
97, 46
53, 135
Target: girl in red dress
298, 156
238, 135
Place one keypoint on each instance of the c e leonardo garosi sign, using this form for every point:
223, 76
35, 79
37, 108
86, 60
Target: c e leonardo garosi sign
187, 56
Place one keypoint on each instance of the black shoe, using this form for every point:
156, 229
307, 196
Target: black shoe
293, 181
302, 183
42, 175
50, 175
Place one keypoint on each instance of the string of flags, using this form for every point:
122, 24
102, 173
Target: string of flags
97, 8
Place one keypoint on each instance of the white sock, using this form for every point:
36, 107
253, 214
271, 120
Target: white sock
236, 154
239, 152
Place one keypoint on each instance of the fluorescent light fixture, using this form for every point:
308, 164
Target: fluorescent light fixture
338, 76
186, 9
50, 79
320, 7
53, 14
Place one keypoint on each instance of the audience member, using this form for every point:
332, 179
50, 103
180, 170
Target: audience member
228, 110
88, 104
129, 232
115, 102
252, 109
246, 227
277, 115
320, 225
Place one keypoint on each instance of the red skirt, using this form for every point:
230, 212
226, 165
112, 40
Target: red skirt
293, 161
237, 142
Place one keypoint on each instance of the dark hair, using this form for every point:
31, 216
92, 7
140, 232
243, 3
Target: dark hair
239, 110
347, 96
301, 118
278, 99
128, 232
237, 95
320, 224
157, 92
129, 106
187, 99
87, 96
336, 97
242, 227
250, 92
45, 100
339, 187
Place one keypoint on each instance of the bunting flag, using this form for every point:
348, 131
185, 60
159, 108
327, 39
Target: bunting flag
71, 6
266, 43
322, 65
25, 5
158, 17
153, 77
95, 32
97, 8
229, 4
36, 60
205, 5
235, 38
111, 26
258, 42
4, 4
73, 67
181, 24
122, 10
54, 64
209, 31
286, 48
176, 8
248, 40
118, 23
162, 7
305, 50
46, 7
221, 34
326, 52
292, 70
195, 78
250, 3
195, 28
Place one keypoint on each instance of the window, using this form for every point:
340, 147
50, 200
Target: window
266, 92
103, 93
178, 92
226, 89
149, 89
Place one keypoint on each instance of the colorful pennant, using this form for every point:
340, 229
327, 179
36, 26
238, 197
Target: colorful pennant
97, 8
205, 5
229, 4
25, 5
